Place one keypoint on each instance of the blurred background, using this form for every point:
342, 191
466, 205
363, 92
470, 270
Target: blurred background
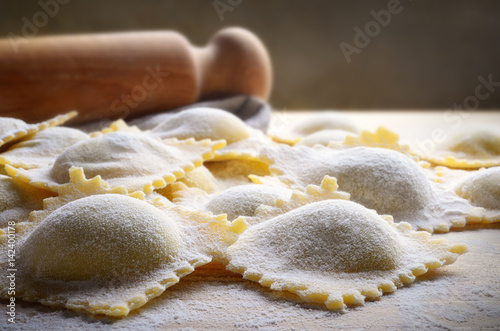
419, 54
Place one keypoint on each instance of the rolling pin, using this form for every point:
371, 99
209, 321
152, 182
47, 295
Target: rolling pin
125, 75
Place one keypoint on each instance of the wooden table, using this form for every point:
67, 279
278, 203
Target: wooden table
462, 296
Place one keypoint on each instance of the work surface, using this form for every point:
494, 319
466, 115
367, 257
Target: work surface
461, 296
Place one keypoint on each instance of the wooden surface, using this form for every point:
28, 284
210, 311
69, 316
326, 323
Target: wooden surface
461, 296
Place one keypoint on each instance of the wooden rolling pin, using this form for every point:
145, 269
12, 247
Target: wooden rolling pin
125, 75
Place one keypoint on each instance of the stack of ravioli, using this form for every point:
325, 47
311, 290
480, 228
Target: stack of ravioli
106, 221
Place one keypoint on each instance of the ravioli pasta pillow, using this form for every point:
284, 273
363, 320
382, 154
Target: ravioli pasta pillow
12, 129
18, 200
109, 254
337, 253
480, 187
382, 179
202, 123
135, 161
42, 148
468, 149
325, 120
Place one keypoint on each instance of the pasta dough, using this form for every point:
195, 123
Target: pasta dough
134, 160
325, 120
468, 149
18, 199
324, 137
243, 200
110, 253
12, 129
480, 187
336, 252
42, 148
203, 123
382, 179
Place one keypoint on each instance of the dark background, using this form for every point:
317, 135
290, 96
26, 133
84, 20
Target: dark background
428, 57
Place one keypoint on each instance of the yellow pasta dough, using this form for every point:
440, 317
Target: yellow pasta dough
12, 129
134, 160
480, 187
86, 239
203, 123
235, 172
18, 199
243, 200
111, 253
325, 120
470, 148
382, 179
42, 148
336, 252
324, 137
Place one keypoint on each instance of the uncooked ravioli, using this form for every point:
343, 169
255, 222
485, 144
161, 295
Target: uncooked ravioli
12, 129
243, 200
480, 187
337, 253
385, 180
42, 148
18, 199
236, 172
324, 137
134, 160
203, 123
468, 149
243, 142
325, 120
110, 253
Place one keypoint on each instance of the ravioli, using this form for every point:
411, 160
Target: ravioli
325, 120
110, 253
243, 200
480, 187
42, 148
324, 137
199, 178
336, 253
382, 179
236, 172
203, 123
471, 148
18, 199
133, 160
12, 129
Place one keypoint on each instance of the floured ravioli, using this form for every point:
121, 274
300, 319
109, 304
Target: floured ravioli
243, 142
381, 138
480, 187
12, 129
337, 253
202, 123
109, 253
199, 178
243, 200
18, 199
236, 172
257, 203
135, 161
324, 137
42, 148
468, 149
325, 120
381, 179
